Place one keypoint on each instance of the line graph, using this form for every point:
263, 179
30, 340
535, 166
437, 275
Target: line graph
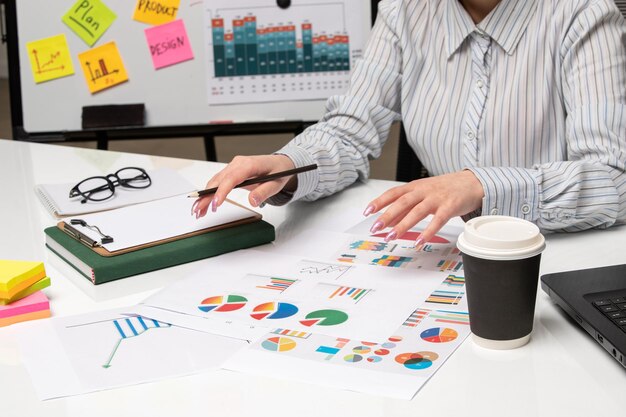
322, 269
50, 58
43, 67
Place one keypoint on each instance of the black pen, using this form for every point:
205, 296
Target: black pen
258, 180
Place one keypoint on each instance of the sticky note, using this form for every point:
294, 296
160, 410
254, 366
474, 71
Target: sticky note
18, 275
168, 44
89, 19
39, 285
103, 67
34, 306
156, 12
50, 58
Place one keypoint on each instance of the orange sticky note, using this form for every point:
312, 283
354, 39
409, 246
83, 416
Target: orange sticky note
35, 306
50, 58
156, 12
103, 67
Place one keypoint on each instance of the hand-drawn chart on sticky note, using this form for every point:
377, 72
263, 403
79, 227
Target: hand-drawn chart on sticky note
103, 67
50, 58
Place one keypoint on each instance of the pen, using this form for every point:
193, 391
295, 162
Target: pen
258, 180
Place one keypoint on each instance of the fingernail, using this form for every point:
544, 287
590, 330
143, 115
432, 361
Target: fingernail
255, 200
214, 205
419, 241
391, 236
368, 210
376, 227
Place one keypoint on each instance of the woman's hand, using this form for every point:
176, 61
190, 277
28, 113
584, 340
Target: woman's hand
444, 197
240, 169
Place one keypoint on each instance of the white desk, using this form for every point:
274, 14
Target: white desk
562, 372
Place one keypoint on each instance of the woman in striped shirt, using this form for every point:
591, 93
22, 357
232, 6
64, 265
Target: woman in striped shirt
514, 107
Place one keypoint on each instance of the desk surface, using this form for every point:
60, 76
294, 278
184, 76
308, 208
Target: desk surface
561, 372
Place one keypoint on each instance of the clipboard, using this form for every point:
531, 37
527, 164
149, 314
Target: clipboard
102, 251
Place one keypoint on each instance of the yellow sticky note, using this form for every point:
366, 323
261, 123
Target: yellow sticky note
103, 67
50, 58
156, 12
89, 19
18, 275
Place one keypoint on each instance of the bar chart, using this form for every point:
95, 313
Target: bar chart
259, 52
249, 49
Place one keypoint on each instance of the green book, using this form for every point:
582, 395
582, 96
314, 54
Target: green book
99, 269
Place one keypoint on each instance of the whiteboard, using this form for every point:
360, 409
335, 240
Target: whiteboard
177, 95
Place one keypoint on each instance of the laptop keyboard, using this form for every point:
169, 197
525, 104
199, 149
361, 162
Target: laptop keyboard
614, 309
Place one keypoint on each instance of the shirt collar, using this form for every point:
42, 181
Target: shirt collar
505, 24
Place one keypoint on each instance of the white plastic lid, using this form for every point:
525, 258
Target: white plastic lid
501, 238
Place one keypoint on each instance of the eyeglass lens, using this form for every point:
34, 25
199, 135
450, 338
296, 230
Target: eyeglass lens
102, 188
133, 178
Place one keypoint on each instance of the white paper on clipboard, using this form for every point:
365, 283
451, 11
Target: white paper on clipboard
157, 220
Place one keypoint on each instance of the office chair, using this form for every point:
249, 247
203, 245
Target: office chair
409, 167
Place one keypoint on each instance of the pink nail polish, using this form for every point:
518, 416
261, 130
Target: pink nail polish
368, 210
376, 227
214, 205
391, 236
419, 242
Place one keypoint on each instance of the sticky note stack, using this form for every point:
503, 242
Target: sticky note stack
20, 295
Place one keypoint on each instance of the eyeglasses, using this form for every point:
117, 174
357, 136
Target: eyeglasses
103, 188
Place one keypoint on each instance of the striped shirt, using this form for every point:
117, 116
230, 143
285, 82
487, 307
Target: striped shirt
532, 100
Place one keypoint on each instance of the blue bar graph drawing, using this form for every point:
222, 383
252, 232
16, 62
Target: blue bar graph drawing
131, 327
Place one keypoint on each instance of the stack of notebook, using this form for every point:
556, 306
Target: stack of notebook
20, 295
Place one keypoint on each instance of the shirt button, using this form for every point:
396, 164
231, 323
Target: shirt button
525, 208
480, 83
470, 134
494, 212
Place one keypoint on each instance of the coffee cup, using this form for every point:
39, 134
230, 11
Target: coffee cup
501, 257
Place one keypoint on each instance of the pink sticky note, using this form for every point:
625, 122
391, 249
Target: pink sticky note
168, 44
33, 303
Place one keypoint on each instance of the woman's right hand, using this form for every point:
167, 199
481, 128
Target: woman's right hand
240, 169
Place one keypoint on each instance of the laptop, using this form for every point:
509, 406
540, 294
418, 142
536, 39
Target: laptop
596, 299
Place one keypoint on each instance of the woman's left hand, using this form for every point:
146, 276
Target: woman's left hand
444, 197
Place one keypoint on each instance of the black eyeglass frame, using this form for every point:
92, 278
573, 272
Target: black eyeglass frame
112, 181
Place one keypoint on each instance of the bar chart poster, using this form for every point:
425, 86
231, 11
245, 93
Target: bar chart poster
258, 52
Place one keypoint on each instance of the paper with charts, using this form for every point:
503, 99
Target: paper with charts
381, 320
92, 352
259, 52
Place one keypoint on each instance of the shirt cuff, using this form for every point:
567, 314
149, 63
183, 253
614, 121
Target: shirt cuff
509, 191
307, 181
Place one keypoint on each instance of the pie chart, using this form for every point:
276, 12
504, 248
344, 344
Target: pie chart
273, 310
353, 358
223, 303
361, 350
439, 335
324, 318
417, 360
278, 344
